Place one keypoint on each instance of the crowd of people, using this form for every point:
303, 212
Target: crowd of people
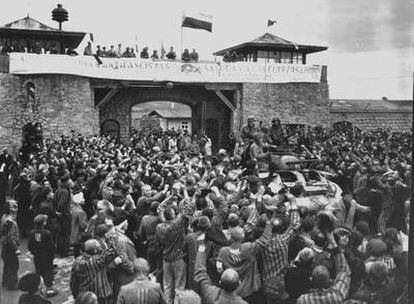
129, 52
34, 47
112, 52
165, 220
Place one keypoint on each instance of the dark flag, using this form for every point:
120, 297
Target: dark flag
270, 22
200, 21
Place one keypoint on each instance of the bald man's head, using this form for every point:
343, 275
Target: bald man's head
229, 280
320, 277
92, 247
277, 225
237, 234
141, 266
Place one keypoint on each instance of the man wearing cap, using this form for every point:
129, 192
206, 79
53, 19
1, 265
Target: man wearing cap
229, 280
256, 151
248, 130
276, 135
42, 247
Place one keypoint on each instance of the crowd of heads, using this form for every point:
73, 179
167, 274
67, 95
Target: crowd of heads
102, 51
35, 47
232, 57
133, 52
170, 175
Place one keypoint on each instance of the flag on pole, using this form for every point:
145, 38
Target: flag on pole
271, 22
163, 51
198, 21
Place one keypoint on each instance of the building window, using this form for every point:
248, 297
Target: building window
285, 57
297, 58
262, 56
184, 125
276, 56
31, 91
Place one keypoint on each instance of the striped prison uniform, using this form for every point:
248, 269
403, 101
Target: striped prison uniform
89, 274
141, 291
336, 293
274, 253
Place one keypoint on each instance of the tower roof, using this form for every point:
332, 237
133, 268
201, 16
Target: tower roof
31, 29
28, 23
270, 41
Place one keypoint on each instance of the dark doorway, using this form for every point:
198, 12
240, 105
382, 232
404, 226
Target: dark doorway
343, 126
110, 128
32, 139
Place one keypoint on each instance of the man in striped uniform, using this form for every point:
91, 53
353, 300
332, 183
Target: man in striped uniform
275, 254
89, 271
146, 233
142, 290
170, 236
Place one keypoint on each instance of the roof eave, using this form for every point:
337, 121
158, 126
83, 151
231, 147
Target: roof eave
42, 32
73, 38
307, 49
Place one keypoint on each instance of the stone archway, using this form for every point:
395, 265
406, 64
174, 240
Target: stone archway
342, 125
204, 105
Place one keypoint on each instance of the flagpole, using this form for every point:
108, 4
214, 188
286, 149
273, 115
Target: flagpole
181, 42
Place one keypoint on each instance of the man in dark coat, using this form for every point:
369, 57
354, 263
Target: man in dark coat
23, 197
42, 247
249, 130
276, 134
63, 200
297, 278
9, 237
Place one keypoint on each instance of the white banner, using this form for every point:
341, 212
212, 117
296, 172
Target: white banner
163, 70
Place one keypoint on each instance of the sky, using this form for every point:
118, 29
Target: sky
370, 42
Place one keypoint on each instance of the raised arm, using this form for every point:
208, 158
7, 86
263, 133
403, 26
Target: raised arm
343, 272
208, 290
263, 240
294, 219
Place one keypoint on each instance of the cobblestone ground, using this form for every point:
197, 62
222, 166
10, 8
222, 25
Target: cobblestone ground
61, 279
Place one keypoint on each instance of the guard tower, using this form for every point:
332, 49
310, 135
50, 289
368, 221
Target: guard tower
272, 49
30, 35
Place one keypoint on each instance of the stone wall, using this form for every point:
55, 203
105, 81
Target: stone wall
63, 103
292, 103
396, 121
